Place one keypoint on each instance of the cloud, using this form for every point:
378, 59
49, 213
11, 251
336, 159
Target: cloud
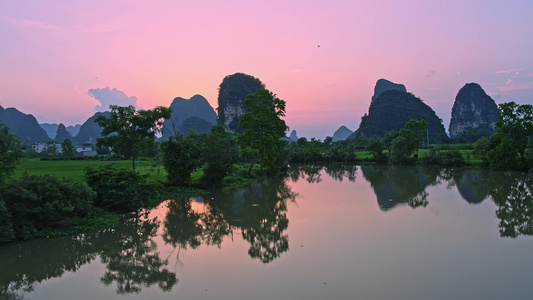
432, 74
107, 96
515, 87
509, 71
29, 23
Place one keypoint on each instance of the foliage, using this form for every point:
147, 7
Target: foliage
181, 156
448, 158
263, 128
218, 151
121, 189
480, 148
376, 146
312, 151
408, 141
128, 131
508, 145
67, 148
6, 226
45, 202
10, 152
402, 148
231, 93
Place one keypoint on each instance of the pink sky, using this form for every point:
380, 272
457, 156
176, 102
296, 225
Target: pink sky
53, 52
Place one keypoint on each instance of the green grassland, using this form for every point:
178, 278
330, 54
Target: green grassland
75, 169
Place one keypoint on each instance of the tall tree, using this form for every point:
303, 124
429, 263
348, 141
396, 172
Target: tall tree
181, 156
128, 131
263, 128
67, 149
509, 143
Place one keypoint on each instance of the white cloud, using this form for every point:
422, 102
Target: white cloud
107, 96
509, 71
29, 23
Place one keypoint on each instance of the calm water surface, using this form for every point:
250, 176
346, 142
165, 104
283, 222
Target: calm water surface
321, 233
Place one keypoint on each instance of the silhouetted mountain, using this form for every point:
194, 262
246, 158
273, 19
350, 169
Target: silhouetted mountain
473, 111
90, 131
383, 85
231, 94
294, 136
392, 109
51, 129
341, 134
62, 133
183, 109
197, 124
25, 126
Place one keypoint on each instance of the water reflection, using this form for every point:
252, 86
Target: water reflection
132, 258
128, 251
471, 184
260, 212
399, 185
512, 193
313, 173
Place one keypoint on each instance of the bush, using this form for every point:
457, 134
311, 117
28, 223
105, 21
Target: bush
445, 158
45, 202
121, 190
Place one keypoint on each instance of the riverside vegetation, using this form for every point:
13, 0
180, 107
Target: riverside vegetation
37, 204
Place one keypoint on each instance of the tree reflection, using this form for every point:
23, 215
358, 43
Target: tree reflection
260, 212
132, 258
309, 172
185, 228
512, 193
339, 172
397, 185
127, 250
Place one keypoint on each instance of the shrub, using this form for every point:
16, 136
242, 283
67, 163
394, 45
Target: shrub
45, 202
121, 189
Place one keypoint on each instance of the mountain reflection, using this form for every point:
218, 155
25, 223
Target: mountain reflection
399, 185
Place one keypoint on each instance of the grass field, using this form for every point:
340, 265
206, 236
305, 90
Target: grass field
74, 169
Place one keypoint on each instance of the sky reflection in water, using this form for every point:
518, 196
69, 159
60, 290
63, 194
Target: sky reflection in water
344, 232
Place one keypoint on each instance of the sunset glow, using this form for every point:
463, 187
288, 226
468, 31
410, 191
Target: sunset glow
322, 58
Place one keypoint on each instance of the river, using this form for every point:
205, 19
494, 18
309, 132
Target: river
323, 232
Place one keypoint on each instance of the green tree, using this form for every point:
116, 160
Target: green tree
67, 149
416, 129
263, 128
376, 146
408, 141
219, 151
128, 131
10, 152
181, 156
509, 143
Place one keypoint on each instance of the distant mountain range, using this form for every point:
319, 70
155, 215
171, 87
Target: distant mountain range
51, 129
194, 113
390, 108
25, 126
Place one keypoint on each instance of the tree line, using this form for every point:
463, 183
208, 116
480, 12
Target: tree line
34, 206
